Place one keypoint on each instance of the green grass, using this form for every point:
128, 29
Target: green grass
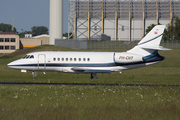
89, 102
92, 102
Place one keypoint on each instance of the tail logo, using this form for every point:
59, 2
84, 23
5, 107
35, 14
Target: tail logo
155, 32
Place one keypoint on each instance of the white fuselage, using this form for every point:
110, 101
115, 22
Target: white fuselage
76, 62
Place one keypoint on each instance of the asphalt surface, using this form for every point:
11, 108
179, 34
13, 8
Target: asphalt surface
85, 84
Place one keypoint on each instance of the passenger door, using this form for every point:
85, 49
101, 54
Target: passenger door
42, 62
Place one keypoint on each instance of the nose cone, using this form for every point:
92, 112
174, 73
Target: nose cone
14, 64
11, 64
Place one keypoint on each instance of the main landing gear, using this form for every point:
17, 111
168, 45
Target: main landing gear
93, 75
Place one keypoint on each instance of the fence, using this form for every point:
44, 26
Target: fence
173, 44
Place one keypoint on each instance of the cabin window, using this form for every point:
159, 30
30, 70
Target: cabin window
70, 59
74, 59
32, 57
66, 59
58, 59
88, 59
62, 59
79, 59
54, 59
84, 59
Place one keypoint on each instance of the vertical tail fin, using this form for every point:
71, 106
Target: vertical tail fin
150, 42
153, 38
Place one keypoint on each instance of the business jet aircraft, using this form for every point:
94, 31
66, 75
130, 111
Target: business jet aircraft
143, 54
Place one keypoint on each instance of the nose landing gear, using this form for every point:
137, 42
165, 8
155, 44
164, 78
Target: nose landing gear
34, 74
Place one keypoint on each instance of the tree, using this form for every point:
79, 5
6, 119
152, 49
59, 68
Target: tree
167, 34
39, 30
22, 34
7, 28
172, 32
176, 29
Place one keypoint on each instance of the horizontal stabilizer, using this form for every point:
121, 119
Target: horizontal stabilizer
154, 47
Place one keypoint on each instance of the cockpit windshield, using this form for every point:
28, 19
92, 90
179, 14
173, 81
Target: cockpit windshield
28, 57
25, 57
32, 57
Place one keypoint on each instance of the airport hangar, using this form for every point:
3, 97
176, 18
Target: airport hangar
118, 19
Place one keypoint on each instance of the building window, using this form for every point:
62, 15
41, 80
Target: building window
6, 39
122, 28
13, 40
1, 40
1, 47
13, 47
6, 47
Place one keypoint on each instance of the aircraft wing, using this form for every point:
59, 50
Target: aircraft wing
91, 70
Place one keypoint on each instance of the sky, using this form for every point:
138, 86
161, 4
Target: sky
29, 13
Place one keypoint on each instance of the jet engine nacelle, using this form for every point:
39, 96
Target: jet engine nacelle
127, 58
